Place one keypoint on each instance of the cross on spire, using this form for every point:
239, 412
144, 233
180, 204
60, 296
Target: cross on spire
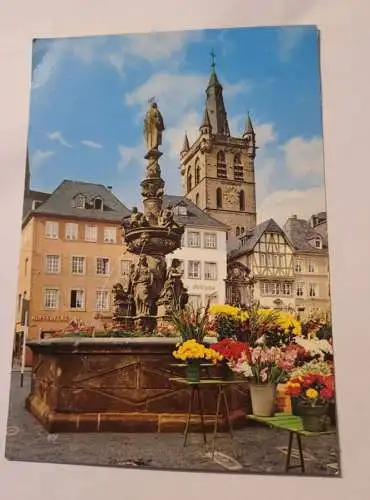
213, 59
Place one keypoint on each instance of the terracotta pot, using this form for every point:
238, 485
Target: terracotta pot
263, 398
192, 371
314, 418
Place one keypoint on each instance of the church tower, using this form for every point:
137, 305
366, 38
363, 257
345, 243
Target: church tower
217, 170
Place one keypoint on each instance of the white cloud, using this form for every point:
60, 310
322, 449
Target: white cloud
48, 65
304, 157
174, 136
288, 39
38, 157
130, 155
58, 136
280, 205
92, 144
265, 134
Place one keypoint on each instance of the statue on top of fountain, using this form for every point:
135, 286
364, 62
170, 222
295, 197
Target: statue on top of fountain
138, 219
166, 219
153, 127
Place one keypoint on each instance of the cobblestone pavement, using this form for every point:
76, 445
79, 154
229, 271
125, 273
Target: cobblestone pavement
260, 449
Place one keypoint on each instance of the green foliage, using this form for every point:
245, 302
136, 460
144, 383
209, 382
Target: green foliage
191, 322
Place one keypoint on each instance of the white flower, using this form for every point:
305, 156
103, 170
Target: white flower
315, 346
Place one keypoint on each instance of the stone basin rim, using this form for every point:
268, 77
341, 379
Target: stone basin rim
104, 341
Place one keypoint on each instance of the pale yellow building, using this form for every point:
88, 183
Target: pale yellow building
217, 170
311, 263
71, 256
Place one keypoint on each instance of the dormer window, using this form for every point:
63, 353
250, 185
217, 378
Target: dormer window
318, 242
181, 210
80, 201
98, 204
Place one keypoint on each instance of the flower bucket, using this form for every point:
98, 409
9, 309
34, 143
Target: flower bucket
295, 406
263, 398
225, 372
314, 418
192, 371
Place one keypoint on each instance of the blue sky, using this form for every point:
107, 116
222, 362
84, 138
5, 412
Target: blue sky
89, 97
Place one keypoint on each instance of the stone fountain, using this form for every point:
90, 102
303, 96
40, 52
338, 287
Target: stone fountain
153, 290
126, 384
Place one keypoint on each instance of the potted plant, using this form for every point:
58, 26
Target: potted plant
266, 367
314, 392
231, 351
193, 353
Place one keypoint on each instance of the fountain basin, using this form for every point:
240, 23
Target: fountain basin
153, 240
117, 385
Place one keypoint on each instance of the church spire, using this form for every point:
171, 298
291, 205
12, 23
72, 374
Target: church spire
206, 127
186, 146
250, 137
27, 178
215, 106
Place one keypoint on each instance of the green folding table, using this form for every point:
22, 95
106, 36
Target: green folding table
294, 426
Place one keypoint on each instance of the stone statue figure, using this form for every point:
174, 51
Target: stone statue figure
174, 295
122, 302
166, 219
153, 127
142, 281
138, 219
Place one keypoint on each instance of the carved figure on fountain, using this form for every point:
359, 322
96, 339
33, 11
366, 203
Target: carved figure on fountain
138, 219
153, 127
142, 281
174, 295
123, 303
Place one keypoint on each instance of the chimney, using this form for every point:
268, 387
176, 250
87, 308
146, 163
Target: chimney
294, 216
110, 188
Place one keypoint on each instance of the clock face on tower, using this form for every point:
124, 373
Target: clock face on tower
231, 195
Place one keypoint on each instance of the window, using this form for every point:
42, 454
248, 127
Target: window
80, 201
318, 243
210, 271
219, 198
125, 267
221, 165
102, 300
300, 289
98, 204
52, 264
262, 259
286, 289
78, 264
313, 290
102, 266
110, 235
189, 182
50, 298
51, 230
19, 301
182, 267
193, 239
195, 301
299, 266
197, 199
197, 172
237, 230
282, 260
210, 240
183, 210
77, 299
71, 231
238, 168
242, 230
241, 201
194, 269
26, 267
91, 233
311, 267
264, 287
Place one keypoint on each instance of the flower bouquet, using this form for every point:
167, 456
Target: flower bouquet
314, 392
191, 322
266, 367
193, 353
231, 351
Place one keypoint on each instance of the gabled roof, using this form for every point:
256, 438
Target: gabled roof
31, 196
300, 232
251, 237
195, 216
60, 202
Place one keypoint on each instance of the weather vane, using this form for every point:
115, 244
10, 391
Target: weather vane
151, 100
213, 58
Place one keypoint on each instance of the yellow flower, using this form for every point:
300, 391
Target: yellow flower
312, 393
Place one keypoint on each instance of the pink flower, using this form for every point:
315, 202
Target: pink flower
263, 374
